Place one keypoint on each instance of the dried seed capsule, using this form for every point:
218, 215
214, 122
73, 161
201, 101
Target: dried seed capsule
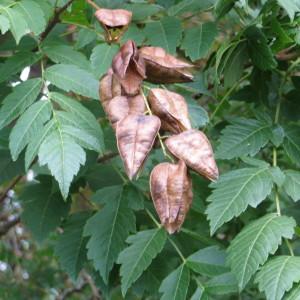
162, 67
194, 148
120, 107
171, 108
171, 192
135, 137
109, 88
129, 68
113, 17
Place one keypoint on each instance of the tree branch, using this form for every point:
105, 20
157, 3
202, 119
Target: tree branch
11, 186
54, 20
6, 226
106, 157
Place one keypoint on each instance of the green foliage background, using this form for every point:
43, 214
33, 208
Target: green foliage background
78, 228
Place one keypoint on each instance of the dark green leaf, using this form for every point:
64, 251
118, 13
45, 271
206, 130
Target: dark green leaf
278, 276
71, 245
209, 261
165, 33
176, 284
198, 40
246, 253
231, 196
108, 229
43, 210
72, 78
145, 246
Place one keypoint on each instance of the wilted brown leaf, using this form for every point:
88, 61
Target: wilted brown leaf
109, 88
162, 67
171, 192
129, 68
171, 108
113, 17
135, 137
194, 148
121, 106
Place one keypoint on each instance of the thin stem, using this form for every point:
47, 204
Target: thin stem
169, 239
276, 120
177, 250
289, 246
152, 218
93, 4
225, 97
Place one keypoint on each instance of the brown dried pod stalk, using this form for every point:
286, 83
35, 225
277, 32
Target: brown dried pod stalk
162, 67
194, 148
121, 106
129, 68
171, 108
135, 137
109, 88
171, 192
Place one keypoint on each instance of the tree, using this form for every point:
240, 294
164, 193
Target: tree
182, 182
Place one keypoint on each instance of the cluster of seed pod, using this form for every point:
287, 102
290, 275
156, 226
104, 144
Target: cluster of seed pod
136, 130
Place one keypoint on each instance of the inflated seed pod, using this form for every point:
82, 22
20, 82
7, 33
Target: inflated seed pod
171, 192
129, 68
162, 67
194, 148
171, 108
136, 134
121, 106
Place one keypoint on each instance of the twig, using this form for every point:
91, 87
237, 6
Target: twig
70, 291
93, 4
11, 186
6, 226
106, 157
91, 283
54, 20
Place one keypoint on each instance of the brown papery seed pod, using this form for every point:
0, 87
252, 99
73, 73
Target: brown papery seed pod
171, 192
121, 106
162, 67
129, 68
171, 108
135, 137
109, 88
194, 148
113, 17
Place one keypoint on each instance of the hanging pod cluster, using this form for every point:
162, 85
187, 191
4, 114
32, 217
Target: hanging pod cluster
136, 127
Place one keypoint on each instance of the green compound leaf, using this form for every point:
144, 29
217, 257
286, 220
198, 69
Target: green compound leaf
176, 284
165, 33
252, 246
108, 229
28, 126
135, 259
14, 104
231, 195
72, 78
71, 245
278, 275
198, 40
243, 137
